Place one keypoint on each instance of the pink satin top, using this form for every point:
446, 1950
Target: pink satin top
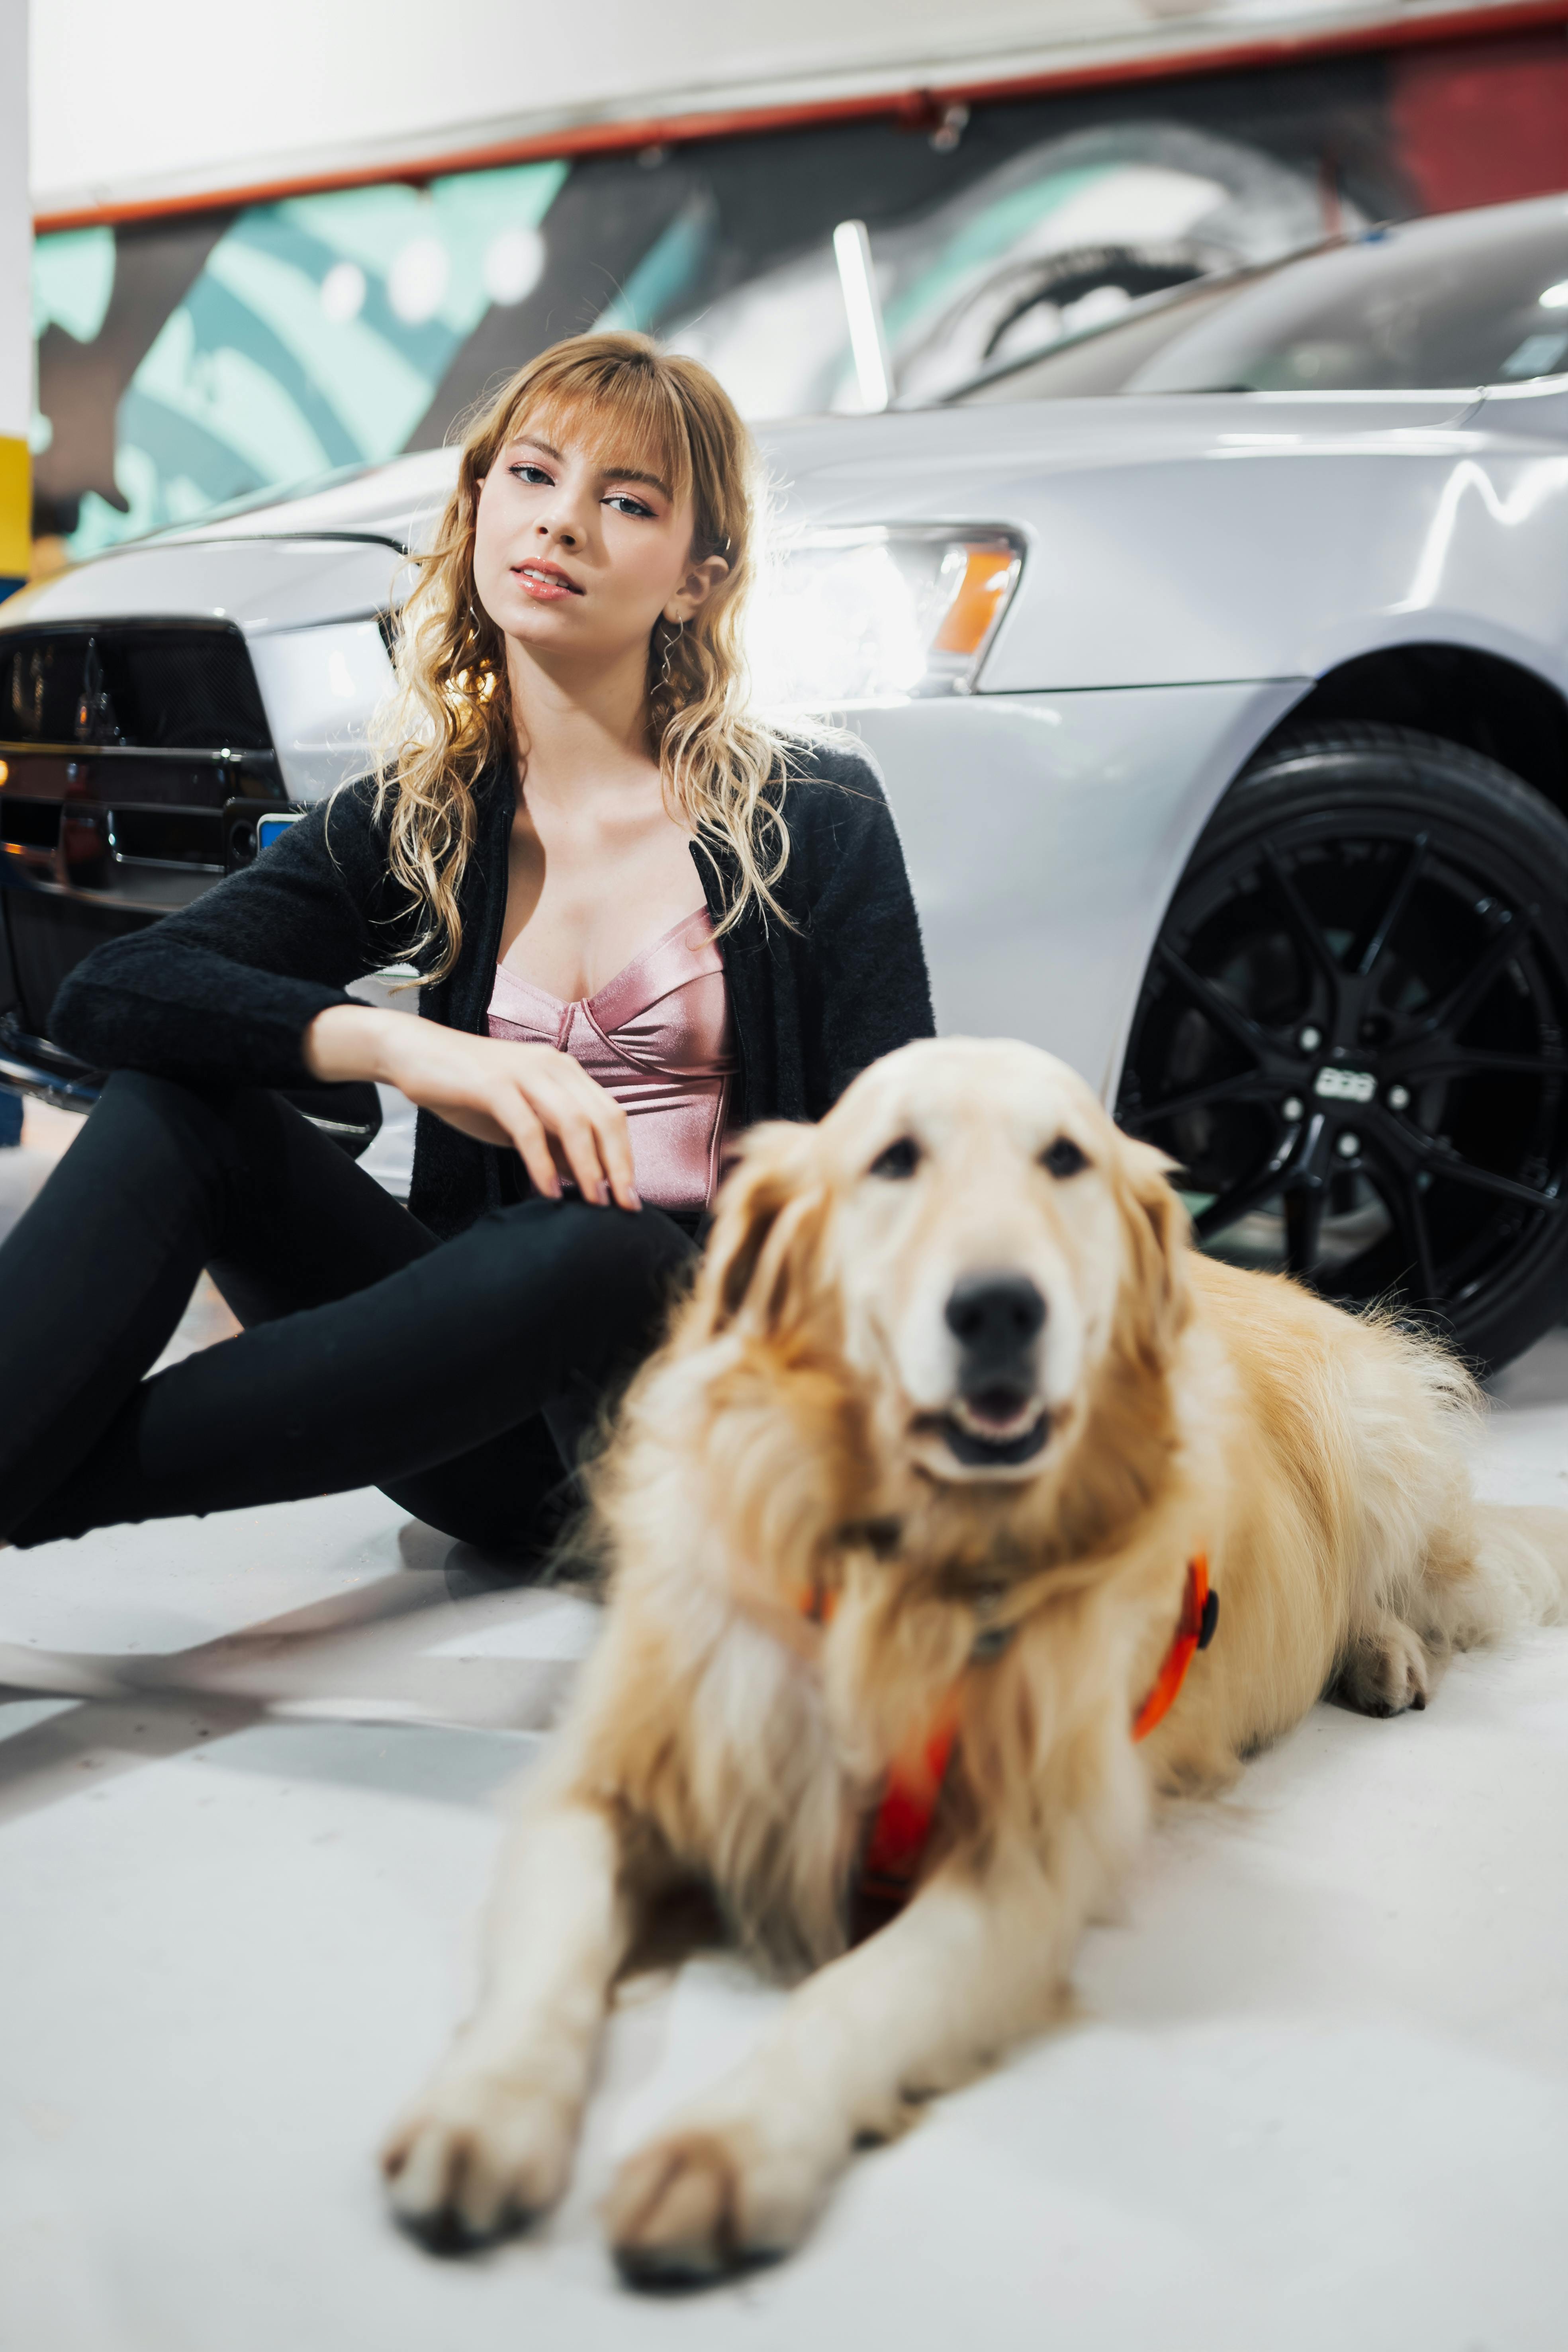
659, 1038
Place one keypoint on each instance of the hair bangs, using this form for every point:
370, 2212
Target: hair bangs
622, 412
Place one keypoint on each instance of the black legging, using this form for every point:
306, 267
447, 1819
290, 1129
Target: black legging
457, 1376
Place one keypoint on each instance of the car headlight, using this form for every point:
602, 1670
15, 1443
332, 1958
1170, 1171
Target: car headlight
879, 614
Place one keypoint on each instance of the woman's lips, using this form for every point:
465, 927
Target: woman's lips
545, 582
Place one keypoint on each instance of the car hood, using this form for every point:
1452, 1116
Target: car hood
264, 584
932, 463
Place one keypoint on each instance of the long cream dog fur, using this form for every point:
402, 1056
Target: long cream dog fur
951, 1358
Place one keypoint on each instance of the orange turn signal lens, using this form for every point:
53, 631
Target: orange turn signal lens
988, 573
4, 772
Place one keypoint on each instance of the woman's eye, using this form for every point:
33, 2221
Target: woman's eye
531, 474
900, 1160
627, 504
1064, 1158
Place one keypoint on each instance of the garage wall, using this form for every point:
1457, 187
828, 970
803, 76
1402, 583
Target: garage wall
201, 352
15, 335
201, 357
175, 95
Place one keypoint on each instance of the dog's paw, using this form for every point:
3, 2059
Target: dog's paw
700, 2202
1385, 1672
476, 2155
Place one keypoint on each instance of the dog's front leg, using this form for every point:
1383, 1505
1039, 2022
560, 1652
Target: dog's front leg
970, 1967
489, 2140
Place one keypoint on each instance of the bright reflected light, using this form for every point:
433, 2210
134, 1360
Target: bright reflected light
343, 292
1555, 297
876, 616
1546, 478
514, 264
416, 285
863, 310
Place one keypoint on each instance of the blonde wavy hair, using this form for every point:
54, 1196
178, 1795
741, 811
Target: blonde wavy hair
449, 721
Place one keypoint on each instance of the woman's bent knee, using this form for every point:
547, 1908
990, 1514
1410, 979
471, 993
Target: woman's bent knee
609, 1268
153, 1106
572, 1234
230, 1125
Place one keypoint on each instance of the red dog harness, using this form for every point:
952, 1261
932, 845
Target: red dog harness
902, 1826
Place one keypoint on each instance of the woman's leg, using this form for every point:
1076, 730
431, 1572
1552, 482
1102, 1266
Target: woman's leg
160, 1182
514, 1495
538, 1309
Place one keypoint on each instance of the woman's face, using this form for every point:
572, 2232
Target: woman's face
577, 558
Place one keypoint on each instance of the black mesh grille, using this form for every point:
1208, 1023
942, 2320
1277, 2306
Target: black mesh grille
169, 836
156, 686
172, 689
40, 688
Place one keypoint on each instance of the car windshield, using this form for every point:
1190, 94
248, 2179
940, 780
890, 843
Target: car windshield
1445, 304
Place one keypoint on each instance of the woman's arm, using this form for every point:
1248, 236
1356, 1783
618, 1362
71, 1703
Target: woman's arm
521, 1097
222, 993
247, 986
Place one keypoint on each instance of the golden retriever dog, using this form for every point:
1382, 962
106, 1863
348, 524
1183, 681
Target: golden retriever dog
925, 1481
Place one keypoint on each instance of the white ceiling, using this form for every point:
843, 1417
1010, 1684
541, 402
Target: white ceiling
180, 96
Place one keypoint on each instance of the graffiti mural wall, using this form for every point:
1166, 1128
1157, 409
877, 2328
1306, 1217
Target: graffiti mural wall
185, 363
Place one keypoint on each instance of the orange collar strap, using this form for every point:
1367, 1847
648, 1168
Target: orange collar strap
1194, 1631
900, 1827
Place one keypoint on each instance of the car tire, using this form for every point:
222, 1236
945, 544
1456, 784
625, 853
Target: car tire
1352, 1036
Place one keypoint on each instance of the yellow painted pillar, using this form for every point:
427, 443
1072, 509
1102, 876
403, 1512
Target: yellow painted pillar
15, 301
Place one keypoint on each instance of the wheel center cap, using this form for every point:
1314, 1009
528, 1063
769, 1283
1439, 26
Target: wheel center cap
1336, 1084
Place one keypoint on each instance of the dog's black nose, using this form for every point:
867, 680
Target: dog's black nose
996, 1315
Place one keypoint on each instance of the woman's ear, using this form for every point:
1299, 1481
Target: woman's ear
765, 1211
1160, 1234
697, 587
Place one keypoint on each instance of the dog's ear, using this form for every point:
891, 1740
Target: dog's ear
1160, 1236
768, 1211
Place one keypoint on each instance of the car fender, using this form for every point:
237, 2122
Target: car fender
1044, 836
1286, 563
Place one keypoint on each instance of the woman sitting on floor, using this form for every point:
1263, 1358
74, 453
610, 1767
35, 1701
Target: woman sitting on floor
643, 920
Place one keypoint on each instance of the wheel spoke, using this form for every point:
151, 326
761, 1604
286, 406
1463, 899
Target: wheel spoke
1449, 1165
1303, 1226
1231, 1207
1219, 1008
1303, 922
1473, 1061
1247, 1085
1371, 954
1293, 1162
1467, 993
1402, 1198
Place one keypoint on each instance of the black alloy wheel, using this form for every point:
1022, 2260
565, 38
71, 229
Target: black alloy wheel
1352, 1037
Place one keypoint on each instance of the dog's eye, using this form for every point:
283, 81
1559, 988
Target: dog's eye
1064, 1158
900, 1159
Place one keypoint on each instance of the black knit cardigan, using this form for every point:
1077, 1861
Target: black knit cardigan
221, 993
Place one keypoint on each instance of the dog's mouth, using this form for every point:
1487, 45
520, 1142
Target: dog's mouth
996, 1427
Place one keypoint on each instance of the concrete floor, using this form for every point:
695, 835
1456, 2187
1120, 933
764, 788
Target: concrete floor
1318, 2092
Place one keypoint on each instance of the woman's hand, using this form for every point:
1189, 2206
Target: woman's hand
529, 1097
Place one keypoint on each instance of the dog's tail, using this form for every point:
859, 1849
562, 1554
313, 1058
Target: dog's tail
1517, 1576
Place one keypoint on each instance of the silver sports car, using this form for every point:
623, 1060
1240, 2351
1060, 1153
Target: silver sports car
1216, 661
